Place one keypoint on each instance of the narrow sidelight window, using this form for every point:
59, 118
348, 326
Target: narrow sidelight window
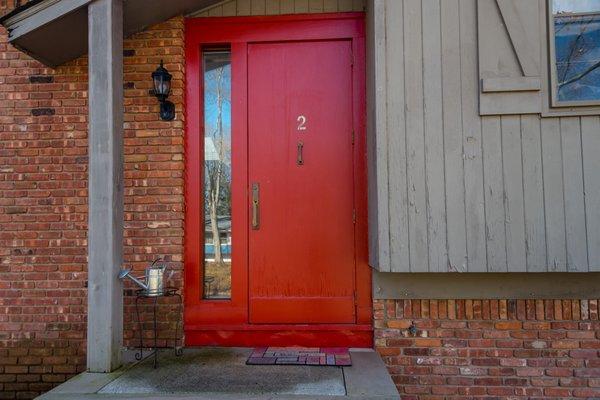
217, 174
575, 30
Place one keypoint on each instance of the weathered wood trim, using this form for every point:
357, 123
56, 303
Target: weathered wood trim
514, 206
524, 84
590, 144
395, 130
434, 138
29, 11
471, 138
105, 220
230, 8
522, 43
533, 195
414, 117
40, 15
377, 137
575, 217
495, 215
509, 56
456, 229
486, 286
554, 202
505, 103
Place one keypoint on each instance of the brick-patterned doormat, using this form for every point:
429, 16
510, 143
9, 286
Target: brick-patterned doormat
327, 356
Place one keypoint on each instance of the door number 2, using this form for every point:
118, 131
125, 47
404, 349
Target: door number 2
301, 122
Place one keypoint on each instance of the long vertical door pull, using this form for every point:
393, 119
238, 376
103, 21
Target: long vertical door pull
255, 206
300, 159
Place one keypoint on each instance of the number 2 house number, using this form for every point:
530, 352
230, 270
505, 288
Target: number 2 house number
301, 123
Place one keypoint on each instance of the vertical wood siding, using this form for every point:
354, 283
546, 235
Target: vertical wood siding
277, 7
511, 193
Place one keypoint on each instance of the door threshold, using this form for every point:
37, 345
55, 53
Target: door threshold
293, 327
281, 335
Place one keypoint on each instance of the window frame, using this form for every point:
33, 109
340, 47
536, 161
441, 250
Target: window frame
551, 63
547, 41
224, 48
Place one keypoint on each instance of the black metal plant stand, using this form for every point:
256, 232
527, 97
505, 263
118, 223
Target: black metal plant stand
142, 294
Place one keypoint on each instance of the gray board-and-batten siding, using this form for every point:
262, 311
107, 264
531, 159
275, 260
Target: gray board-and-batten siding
454, 191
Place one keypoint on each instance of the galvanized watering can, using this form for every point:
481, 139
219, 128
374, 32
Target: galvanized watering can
154, 282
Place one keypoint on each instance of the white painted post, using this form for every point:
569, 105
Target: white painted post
105, 223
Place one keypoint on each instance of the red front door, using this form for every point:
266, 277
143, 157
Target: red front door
295, 240
301, 251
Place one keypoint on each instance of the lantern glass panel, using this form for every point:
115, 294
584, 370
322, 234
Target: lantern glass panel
162, 86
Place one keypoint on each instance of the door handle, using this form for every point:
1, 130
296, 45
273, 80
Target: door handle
300, 159
255, 206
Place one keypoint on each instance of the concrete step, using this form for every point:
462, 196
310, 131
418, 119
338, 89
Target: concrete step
221, 374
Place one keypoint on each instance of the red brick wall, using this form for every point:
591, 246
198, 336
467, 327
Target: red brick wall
154, 165
518, 349
43, 202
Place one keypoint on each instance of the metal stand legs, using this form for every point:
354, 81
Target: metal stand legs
169, 292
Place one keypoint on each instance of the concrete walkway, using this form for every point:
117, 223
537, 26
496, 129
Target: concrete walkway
221, 374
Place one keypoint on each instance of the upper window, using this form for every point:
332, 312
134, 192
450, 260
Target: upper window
576, 52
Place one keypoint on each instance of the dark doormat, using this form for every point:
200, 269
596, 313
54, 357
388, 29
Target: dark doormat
327, 356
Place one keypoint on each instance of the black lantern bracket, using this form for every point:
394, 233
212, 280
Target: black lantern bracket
161, 79
167, 110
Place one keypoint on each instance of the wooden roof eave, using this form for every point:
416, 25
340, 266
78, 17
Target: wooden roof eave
55, 31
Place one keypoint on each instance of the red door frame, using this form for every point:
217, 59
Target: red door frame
225, 322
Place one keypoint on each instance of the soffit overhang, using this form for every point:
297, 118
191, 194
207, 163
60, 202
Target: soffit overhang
55, 31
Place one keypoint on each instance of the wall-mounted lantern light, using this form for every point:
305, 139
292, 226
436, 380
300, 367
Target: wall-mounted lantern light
162, 88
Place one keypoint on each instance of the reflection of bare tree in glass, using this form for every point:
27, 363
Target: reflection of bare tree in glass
216, 174
578, 48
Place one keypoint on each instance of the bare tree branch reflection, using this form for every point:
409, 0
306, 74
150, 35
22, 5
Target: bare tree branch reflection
577, 43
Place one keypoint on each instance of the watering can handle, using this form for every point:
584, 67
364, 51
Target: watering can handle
155, 261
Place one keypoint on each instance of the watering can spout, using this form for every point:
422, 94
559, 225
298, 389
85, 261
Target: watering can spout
127, 273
